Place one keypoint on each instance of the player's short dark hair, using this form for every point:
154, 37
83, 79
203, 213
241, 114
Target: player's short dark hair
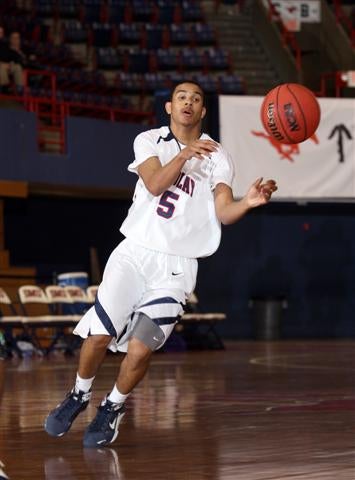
176, 84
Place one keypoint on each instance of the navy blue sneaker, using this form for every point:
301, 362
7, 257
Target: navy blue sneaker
104, 428
60, 419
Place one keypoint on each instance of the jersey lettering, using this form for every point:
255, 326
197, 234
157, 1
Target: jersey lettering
167, 208
185, 183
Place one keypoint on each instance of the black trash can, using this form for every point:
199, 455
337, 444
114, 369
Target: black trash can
267, 317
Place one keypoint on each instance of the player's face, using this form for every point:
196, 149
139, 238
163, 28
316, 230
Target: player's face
186, 107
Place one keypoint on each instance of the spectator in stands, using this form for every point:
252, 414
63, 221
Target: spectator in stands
13, 60
3, 42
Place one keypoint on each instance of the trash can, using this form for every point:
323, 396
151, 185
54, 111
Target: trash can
267, 317
77, 279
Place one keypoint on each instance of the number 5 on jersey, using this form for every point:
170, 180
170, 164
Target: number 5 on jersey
166, 206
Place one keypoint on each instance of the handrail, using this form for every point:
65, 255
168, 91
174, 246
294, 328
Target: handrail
288, 37
342, 18
112, 112
337, 78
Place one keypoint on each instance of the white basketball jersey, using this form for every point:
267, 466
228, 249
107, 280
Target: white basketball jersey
182, 221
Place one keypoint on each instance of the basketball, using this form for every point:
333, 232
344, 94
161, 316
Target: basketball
290, 113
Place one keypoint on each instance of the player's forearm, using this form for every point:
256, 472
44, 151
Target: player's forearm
165, 176
233, 211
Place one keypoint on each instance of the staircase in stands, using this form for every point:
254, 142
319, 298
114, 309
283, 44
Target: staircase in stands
236, 33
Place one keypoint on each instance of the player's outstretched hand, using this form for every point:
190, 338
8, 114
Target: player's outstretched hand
260, 193
199, 149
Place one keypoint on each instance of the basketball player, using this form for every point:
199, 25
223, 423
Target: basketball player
182, 196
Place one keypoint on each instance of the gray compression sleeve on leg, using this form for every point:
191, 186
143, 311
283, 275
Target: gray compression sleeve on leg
147, 332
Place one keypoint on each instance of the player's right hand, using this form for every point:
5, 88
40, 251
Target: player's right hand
200, 149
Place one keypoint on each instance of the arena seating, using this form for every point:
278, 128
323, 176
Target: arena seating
101, 49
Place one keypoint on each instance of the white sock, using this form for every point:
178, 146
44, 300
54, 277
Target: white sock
83, 384
116, 396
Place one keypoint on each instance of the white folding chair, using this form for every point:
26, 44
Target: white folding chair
79, 298
8, 314
91, 293
9, 319
37, 314
198, 327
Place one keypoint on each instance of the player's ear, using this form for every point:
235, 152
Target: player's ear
168, 107
203, 112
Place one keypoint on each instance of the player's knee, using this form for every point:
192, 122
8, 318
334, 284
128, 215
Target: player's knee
138, 353
99, 342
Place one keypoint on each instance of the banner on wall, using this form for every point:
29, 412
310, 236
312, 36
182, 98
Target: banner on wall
295, 12
322, 167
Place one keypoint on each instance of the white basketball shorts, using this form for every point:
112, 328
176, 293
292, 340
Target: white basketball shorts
138, 280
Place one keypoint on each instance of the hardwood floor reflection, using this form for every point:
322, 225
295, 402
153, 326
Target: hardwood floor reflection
257, 411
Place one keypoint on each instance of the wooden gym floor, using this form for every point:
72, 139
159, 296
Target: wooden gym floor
256, 411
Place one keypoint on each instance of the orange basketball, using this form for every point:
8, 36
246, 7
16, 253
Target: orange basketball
290, 113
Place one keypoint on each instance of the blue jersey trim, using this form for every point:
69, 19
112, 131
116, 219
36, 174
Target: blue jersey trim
105, 319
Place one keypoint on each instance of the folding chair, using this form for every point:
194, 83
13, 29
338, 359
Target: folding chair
9, 319
34, 304
60, 304
199, 328
79, 298
91, 293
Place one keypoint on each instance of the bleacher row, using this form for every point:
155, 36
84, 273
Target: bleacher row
113, 11
129, 49
147, 35
61, 307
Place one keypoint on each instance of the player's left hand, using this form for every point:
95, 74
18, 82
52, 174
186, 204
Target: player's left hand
260, 192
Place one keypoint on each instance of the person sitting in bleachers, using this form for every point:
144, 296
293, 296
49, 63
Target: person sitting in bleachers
13, 59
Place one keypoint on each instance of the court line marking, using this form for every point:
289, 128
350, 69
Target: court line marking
274, 361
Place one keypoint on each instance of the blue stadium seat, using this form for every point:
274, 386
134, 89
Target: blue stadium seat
102, 34
166, 12
92, 11
139, 61
74, 32
217, 59
231, 84
192, 59
142, 10
154, 81
203, 34
68, 8
180, 34
108, 58
167, 59
177, 77
129, 82
191, 11
153, 36
44, 8
129, 34
209, 83
118, 11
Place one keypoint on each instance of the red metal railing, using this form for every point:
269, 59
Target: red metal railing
344, 20
288, 37
332, 80
51, 113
